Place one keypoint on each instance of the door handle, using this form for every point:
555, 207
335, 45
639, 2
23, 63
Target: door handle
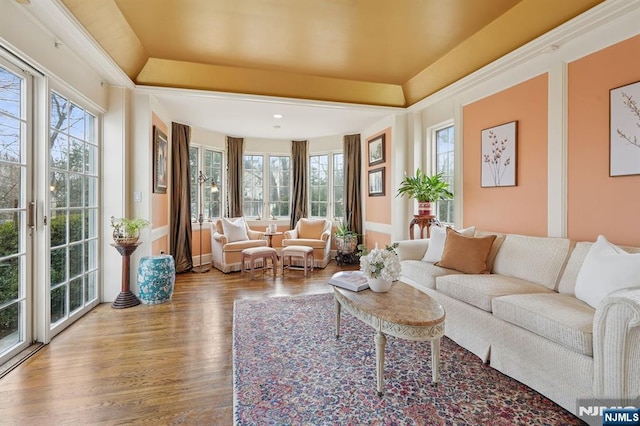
31, 214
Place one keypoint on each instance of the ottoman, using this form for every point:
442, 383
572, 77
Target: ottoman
254, 253
156, 277
303, 252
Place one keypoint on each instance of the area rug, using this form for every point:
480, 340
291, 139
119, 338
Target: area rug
289, 369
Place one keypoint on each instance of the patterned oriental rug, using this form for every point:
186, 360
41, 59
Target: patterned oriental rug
290, 369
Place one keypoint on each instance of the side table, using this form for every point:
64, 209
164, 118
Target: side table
270, 235
422, 222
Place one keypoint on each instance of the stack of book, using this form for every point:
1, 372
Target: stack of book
351, 280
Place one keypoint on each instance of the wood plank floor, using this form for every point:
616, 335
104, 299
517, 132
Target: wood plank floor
162, 364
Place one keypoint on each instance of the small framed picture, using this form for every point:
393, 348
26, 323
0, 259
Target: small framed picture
499, 151
624, 130
376, 182
376, 150
160, 158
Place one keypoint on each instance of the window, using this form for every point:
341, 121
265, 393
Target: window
443, 149
279, 186
338, 185
213, 170
318, 185
211, 162
252, 186
326, 185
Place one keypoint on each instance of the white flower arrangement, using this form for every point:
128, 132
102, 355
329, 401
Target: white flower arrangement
381, 263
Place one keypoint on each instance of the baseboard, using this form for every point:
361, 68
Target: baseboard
206, 259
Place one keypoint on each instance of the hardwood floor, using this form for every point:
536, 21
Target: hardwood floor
161, 364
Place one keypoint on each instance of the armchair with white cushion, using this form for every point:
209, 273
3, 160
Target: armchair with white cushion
229, 238
315, 233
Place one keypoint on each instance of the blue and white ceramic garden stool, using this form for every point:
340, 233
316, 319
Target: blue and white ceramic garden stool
156, 277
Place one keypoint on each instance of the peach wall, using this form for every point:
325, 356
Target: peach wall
598, 203
518, 209
159, 206
206, 241
378, 209
160, 245
372, 237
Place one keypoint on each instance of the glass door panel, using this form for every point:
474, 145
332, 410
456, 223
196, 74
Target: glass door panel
13, 209
73, 182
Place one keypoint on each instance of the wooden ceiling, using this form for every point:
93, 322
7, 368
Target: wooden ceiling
377, 52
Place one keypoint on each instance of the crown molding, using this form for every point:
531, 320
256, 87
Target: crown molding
546, 44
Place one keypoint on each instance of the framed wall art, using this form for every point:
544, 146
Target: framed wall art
376, 182
376, 150
499, 150
160, 159
624, 130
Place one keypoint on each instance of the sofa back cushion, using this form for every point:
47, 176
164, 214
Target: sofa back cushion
570, 274
535, 259
311, 228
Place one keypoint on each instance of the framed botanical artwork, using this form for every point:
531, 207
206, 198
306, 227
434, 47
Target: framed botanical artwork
624, 130
499, 152
160, 158
376, 150
376, 182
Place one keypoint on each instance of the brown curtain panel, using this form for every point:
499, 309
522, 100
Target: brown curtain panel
299, 200
181, 198
352, 184
234, 176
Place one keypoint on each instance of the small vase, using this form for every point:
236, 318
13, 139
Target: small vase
379, 285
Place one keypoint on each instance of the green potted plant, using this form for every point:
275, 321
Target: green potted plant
127, 231
346, 239
425, 189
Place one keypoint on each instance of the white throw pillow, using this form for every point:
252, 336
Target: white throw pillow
234, 230
606, 268
437, 238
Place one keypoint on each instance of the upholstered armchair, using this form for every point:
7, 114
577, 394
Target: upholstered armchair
229, 238
314, 233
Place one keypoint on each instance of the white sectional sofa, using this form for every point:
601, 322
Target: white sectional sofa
524, 319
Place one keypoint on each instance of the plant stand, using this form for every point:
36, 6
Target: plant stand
347, 258
422, 222
126, 299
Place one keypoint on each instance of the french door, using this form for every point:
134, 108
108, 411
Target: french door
49, 209
16, 230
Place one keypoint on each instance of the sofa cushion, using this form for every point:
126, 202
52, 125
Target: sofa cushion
606, 269
311, 228
235, 229
570, 273
480, 290
437, 238
561, 318
535, 259
466, 254
567, 283
424, 273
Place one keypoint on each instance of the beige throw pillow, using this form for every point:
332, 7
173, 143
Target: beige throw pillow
466, 254
438, 236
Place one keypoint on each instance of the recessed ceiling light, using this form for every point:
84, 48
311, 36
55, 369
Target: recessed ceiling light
276, 127
277, 116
